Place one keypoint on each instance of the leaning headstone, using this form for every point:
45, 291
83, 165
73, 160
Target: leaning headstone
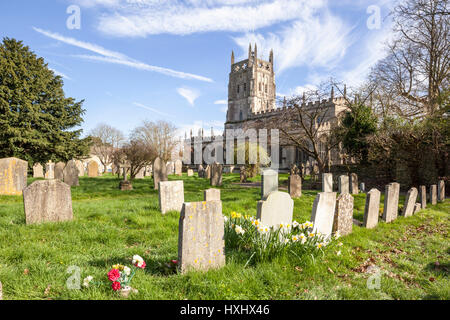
354, 183
269, 182
278, 207
410, 202
417, 208
201, 244
140, 174
216, 174
372, 209
171, 195
207, 173
391, 195
201, 171
327, 182
441, 190
190, 172
159, 172
212, 195
433, 194
49, 170
92, 169
343, 214
295, 186
343, 184
59, 170
70, 174
423, 196
38, 171
178, 167
47, 201
13, 176
323, 210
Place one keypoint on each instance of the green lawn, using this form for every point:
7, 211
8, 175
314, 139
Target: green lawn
110, 226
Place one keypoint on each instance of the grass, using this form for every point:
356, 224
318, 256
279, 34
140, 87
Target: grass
110, 226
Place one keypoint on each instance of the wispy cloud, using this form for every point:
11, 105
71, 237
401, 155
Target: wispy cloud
108, 56
189, 94
140, 105
221, 102
58, 73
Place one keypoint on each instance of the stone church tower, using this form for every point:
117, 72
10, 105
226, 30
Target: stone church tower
251, 88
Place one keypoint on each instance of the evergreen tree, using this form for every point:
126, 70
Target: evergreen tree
35, 116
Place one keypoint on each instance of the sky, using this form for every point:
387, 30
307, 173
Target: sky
135, 60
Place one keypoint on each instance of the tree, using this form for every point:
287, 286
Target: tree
106, 140
135, 154
36, 119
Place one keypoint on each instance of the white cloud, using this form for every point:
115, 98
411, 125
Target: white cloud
140, 105
58, 73
109, 56
221, 102
189, 94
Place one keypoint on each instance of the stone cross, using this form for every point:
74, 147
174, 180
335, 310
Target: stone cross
13, 176
38, 171
343, 184
343, 215
278, 207
49, 170
423, 196
269, 182
171, 195
433, 194
295, 186
410, 202
323, 211
354, 183
212, 195
391, 195
441, 190
125, 184
327, 182
372, 209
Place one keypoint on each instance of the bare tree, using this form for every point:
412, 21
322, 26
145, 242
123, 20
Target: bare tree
106, 140
135, 154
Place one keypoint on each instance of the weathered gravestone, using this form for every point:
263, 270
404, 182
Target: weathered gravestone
269, 182
276, 208
327, 182
207, 172
323, 210
212, 195
423, 196
228, 169
362, 187
201, 171
59, 170
38, 171
159, 172
343, 184
92, 169
13, 176
391, 195
295, 186
50, 170
70, 174
354, 183
216, 174
47, 201
343, 214
372, 209
417, 208
170, 168
179, 168
201, 244
80, 167
410, 202
140, 174
190, 172
243, 175
441, 190
171, 195
433, 194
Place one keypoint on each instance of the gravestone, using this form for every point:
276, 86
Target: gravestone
410, 202
148, 171
170, 168
354, 183
327, 182
372, 209
278, 207
362, 187
423, 196
323, 210
80, 167
201, 171
125, 184
114, 169
179, 168
190, 172
50, 170
441, 191
13, 176
47, 201
159, 172
92, 169
201, 244
59, 170
216, 174
417, 208
207, 173
433, 194
295, 186
391, 195
212, 195
38, 171
269, 182
242, 175
140, 174
228, 169
171, 195
70, 174
343, 184
343, 214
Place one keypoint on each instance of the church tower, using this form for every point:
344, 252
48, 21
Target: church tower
251, 87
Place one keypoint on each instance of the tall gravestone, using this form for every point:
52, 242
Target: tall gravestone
80, 167
38, 171
201, 171
216, 174
278, 207
343, 184
201, 239
159, 172
410, 202
179, 168
354, 183
59, 170
13, 176
47, 201
433, 194
327, 182
362, 187
391, 196
441, 190
92, 169
212, 195
295, 186
423, 196
207, 173
323, 210
372, 209
170, 168
49, 170
70, 174
343, 214
269, 182
171, 195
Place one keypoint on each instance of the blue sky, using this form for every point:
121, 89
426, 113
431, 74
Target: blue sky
152, 59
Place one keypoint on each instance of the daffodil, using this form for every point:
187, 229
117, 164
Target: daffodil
295, 224
239, 230
295, 238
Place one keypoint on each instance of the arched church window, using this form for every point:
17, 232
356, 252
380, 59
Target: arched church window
240, 115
